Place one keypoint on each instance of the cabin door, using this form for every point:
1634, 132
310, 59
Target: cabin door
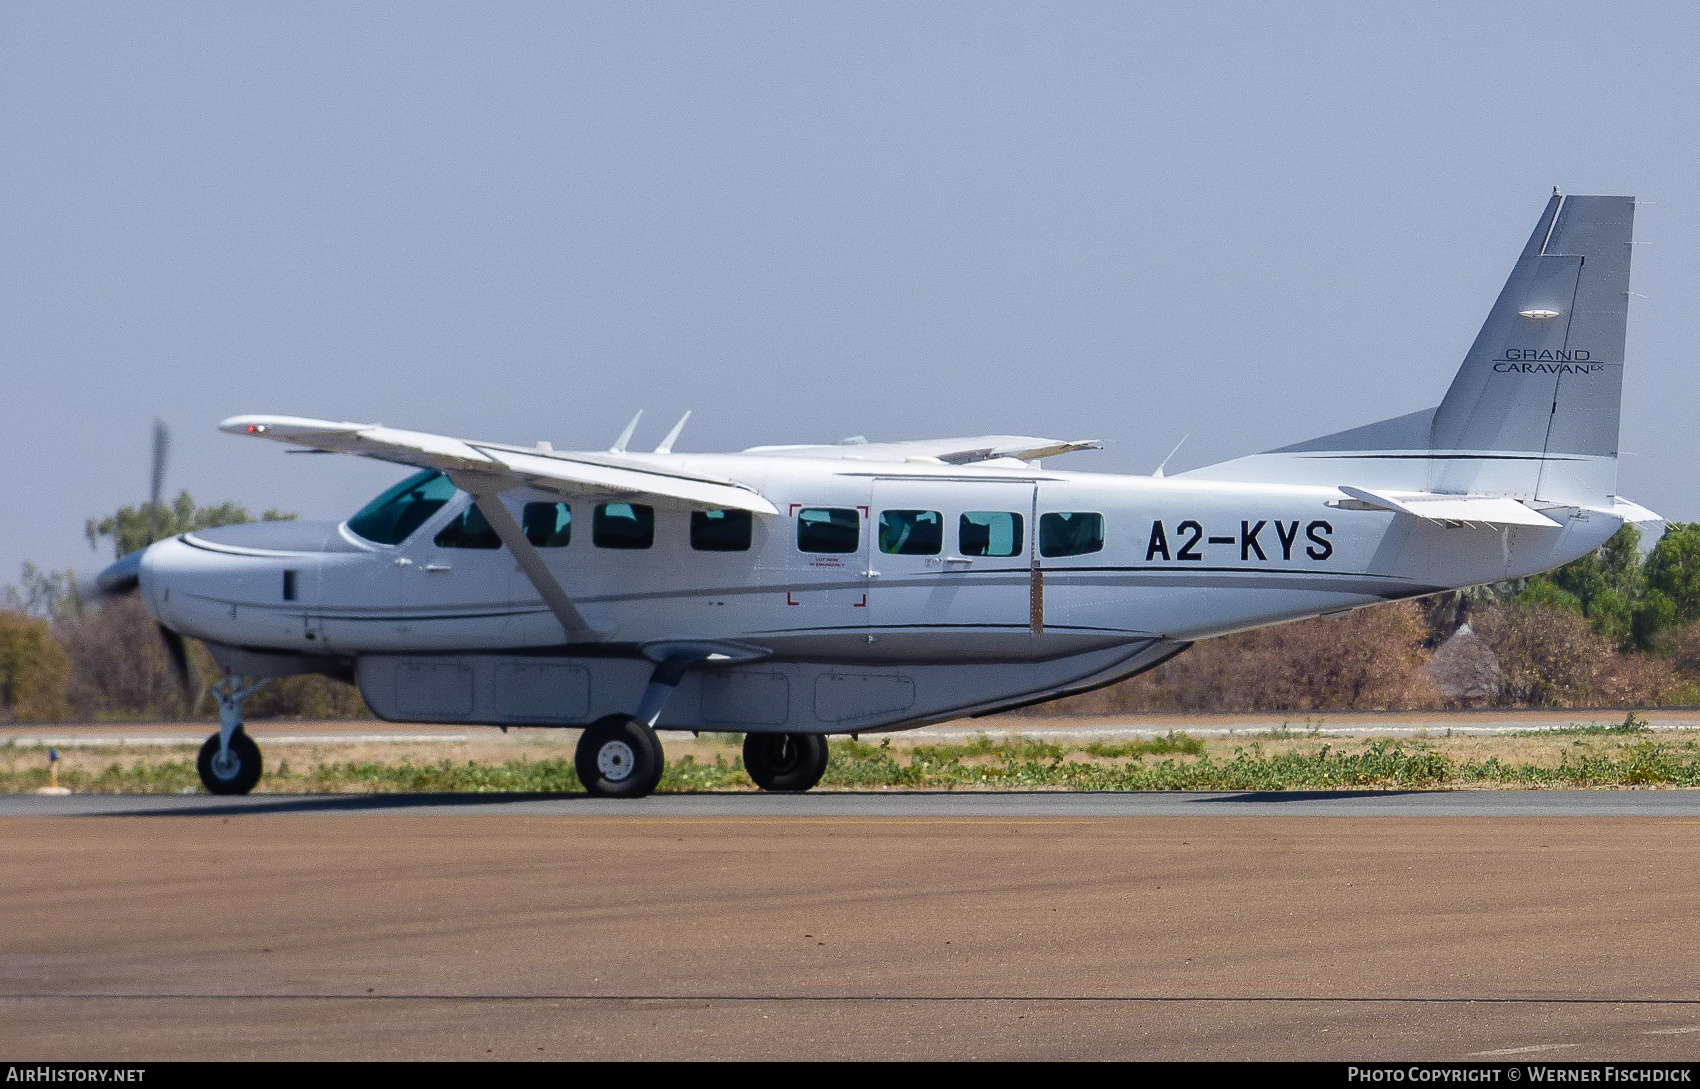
952, 554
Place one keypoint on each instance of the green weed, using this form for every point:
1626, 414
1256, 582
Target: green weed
1631, 724
1149, 746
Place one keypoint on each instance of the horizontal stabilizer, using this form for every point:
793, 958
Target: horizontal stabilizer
1631, 511
511, 466
1496, 510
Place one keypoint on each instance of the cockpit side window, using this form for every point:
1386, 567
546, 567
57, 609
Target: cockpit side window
394, 515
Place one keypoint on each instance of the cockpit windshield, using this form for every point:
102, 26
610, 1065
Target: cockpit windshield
391, 517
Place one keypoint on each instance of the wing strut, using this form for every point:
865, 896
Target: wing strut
487, 494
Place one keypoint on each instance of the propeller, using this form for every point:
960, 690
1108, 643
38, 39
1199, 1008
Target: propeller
124, 575
161, 447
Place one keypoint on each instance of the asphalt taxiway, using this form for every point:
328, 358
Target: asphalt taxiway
915, 804
1429, 925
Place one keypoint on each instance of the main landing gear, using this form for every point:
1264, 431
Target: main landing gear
230, 761
785, 762
619, 757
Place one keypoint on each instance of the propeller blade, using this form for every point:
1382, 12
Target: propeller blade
161, 447
179, 655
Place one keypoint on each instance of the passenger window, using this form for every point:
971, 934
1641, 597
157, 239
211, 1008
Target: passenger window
470, 530
720, 530
829, 529
394, 515
623, 525
990, 533
911, 532
548, 525
1072, 534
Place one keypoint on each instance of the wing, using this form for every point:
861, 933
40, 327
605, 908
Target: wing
512, 466
950, 451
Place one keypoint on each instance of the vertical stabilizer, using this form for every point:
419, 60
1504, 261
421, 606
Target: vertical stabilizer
1533, 412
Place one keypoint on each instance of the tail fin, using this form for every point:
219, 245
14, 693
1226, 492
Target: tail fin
1533, 412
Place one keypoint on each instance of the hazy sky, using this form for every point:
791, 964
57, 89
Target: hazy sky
1251, 222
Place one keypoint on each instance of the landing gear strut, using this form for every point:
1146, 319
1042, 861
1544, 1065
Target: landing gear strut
230, 761
785, 761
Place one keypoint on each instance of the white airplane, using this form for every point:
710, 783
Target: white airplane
792, 592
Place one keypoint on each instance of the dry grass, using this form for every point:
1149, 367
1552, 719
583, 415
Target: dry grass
1280, 757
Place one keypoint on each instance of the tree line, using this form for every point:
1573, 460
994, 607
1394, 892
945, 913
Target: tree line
65, 658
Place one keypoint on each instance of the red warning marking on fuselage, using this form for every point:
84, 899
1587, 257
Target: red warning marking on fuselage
789, 600
862, 604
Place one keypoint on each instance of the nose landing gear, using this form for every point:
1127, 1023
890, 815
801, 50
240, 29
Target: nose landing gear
229, 762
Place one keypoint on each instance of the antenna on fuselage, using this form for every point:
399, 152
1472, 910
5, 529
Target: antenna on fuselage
1159, 473
666, 446
619, 446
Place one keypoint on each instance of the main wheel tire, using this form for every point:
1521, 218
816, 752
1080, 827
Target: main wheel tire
238, 772
619, 757
785, 761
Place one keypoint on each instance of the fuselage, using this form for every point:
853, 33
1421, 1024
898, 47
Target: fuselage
866, 562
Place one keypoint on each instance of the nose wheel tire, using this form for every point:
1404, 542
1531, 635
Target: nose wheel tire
237, 771
785, 761
619, 757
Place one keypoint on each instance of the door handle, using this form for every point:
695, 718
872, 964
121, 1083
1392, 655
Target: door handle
438, 567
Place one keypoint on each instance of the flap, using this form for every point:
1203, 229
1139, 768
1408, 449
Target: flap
950, 451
